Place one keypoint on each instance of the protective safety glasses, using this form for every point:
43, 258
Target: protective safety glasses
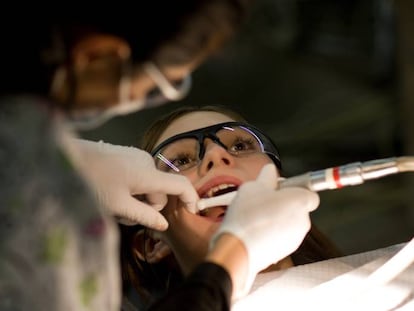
185, 151
107, 85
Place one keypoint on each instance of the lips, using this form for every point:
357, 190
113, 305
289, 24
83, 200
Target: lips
218, 185
214, 187
219, 189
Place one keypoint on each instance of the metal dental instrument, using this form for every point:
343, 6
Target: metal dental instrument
331, 178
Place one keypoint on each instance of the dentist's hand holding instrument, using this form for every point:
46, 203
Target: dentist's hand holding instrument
331, 178
275, 225
270, 224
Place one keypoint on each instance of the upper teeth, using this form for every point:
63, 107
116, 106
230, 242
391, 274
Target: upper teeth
213, 190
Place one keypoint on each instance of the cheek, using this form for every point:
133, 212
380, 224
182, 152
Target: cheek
188, 236
192, 176
250, 165
254, 165
185, 227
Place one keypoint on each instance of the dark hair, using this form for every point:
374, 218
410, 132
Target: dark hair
165, 32
149, 281
157, 278
188, 27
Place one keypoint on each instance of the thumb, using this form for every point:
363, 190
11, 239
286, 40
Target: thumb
268, 176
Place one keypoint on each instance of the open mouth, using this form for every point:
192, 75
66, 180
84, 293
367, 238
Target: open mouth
216, 212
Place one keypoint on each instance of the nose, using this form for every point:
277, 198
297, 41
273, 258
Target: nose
215, 156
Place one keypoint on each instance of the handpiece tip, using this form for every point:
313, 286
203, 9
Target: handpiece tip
224, 199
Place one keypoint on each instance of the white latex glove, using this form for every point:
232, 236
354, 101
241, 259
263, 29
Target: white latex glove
270, 223
118, 173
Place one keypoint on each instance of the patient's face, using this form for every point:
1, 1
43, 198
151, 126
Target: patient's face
188, 235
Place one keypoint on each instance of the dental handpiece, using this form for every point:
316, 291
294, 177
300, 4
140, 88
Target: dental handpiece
331, 178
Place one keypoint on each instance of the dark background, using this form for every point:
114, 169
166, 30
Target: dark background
329, 81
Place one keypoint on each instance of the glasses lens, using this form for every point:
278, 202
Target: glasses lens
178, 156
184, 153
240, 140
167, 91
157, 96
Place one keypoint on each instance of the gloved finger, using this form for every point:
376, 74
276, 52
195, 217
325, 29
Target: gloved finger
268, 176
172, 184
156, 200
138, 212
303, 197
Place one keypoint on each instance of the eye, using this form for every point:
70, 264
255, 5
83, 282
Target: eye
184, 161
242, 145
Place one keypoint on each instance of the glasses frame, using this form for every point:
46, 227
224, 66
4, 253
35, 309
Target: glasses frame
94, 117
168, 90
267, 145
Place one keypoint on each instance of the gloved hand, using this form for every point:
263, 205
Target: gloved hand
118, 173
270, 223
